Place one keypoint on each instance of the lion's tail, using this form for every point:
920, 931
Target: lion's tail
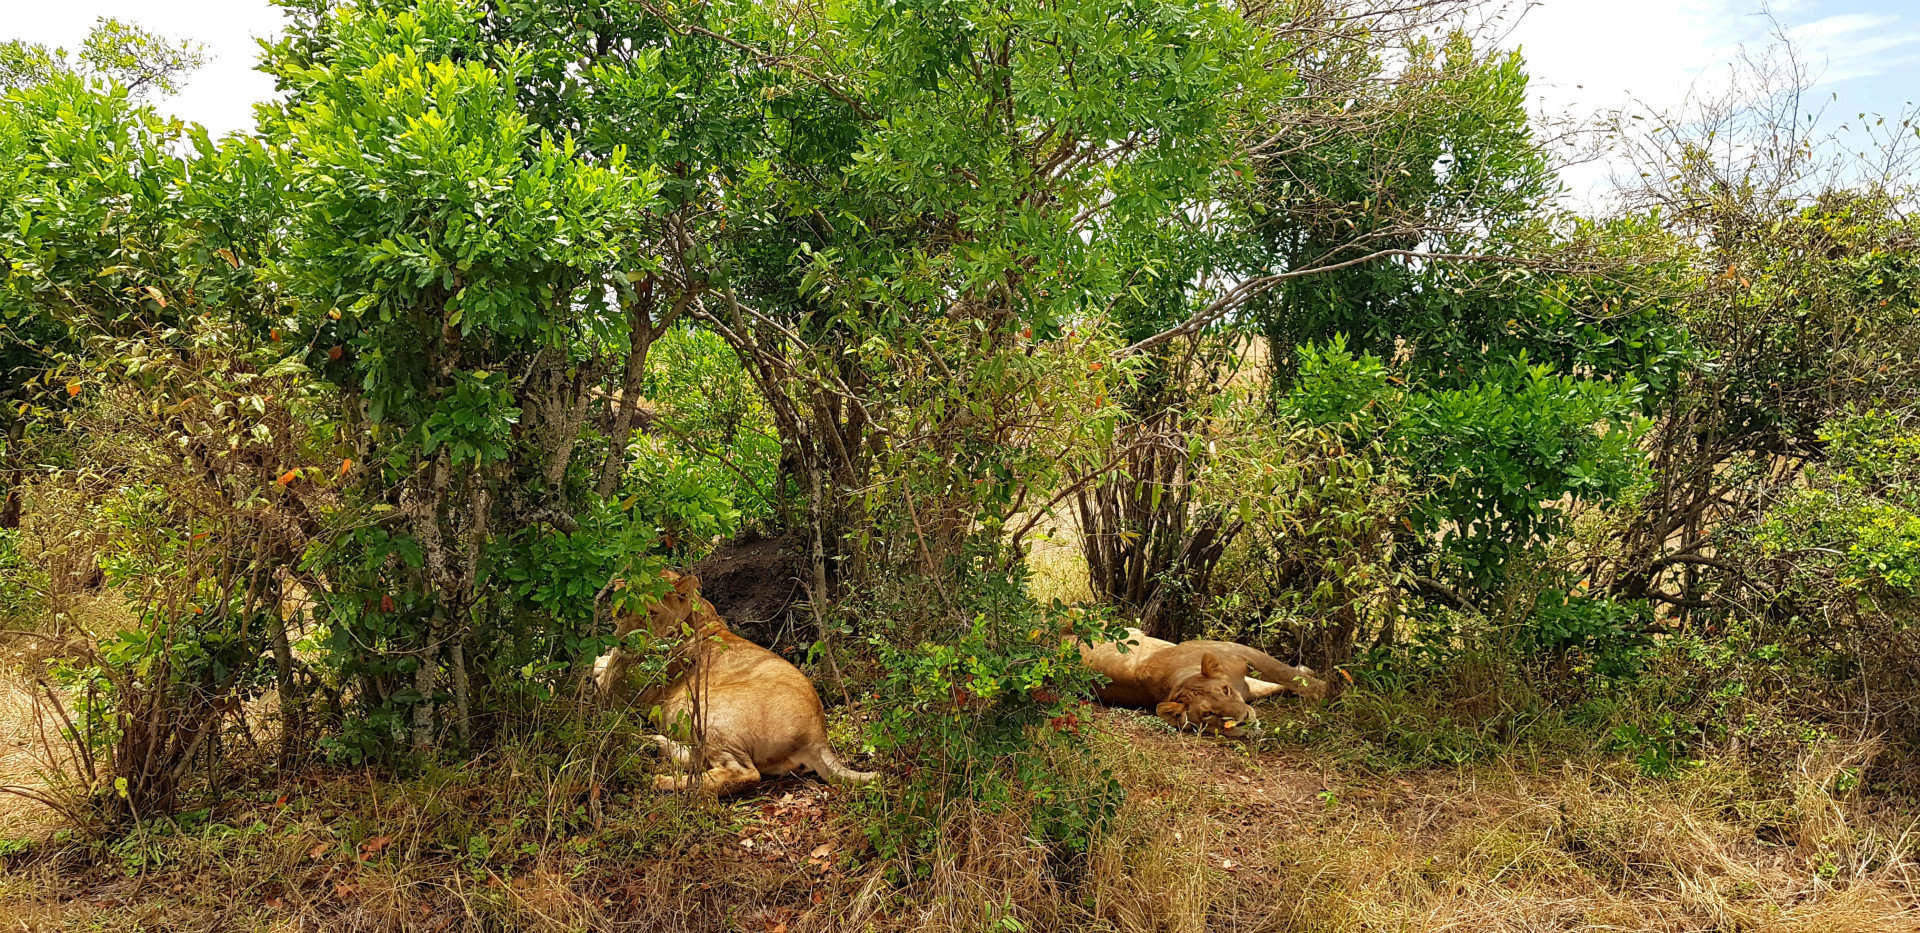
828, 765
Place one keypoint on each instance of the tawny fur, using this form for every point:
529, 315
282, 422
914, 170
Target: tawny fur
1194, 683
759, 716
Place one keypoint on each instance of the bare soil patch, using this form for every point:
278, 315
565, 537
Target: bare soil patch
754, 582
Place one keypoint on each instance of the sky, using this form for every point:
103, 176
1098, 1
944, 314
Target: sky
1584, 55
1590, 55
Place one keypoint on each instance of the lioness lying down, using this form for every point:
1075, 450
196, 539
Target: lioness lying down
1195, 684
759, 715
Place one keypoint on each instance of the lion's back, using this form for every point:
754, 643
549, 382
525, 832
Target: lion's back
762, 695
1125, 686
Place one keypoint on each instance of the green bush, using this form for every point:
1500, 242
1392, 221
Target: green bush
987, 715
1601, 637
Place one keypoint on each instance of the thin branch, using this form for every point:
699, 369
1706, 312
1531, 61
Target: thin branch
1250, 289
767, 57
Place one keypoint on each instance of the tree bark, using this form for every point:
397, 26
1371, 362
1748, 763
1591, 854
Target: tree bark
457, 661
283, 672
641, 334
424, 683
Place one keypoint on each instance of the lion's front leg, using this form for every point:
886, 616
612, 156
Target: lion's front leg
606, 670
677, 753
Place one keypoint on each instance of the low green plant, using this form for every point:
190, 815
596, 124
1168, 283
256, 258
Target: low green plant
990, 716
1595, 636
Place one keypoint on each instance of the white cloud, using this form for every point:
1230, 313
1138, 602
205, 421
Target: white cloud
1587, 57
1852, 45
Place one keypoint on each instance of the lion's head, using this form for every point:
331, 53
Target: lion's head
669, 616
1210, 702
664, 618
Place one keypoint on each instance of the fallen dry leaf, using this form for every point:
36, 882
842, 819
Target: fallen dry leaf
319, 852
374, 845
275, 903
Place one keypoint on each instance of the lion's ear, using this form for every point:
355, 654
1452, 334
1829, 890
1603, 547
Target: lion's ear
1210, 667
687, 585
1173, 712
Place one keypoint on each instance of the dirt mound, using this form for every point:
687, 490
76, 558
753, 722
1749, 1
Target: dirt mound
754, 583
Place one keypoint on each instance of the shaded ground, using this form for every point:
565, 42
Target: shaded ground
754, 583
1296, 834
1215, 835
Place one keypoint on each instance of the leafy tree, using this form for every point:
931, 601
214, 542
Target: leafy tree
135, 245
462, 277
1800, 281
35, 349
118, 53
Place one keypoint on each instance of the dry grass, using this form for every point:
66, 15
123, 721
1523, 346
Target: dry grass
1213, 836
1056, 564
20, 761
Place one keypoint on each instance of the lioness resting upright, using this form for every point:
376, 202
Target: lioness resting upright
1195, 684
759, 715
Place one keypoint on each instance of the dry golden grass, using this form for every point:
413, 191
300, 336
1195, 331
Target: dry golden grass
1213, 835
1056, 565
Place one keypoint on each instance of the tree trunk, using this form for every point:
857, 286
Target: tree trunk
283, 672
461, 706
10, 507
424, 683
641, 334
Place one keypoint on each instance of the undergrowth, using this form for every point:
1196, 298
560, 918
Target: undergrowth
1320, 824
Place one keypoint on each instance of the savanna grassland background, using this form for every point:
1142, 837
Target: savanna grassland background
934, 334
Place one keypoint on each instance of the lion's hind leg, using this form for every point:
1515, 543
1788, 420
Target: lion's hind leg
729, 774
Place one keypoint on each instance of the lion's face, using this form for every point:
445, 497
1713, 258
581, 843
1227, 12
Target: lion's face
665, 618
669, 616
1210, 703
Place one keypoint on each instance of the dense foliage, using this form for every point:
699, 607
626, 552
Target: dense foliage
386, 407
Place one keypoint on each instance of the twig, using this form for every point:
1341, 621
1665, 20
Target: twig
1252, 288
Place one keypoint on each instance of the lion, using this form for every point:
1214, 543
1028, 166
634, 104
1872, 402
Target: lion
759, 716
1201, 685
